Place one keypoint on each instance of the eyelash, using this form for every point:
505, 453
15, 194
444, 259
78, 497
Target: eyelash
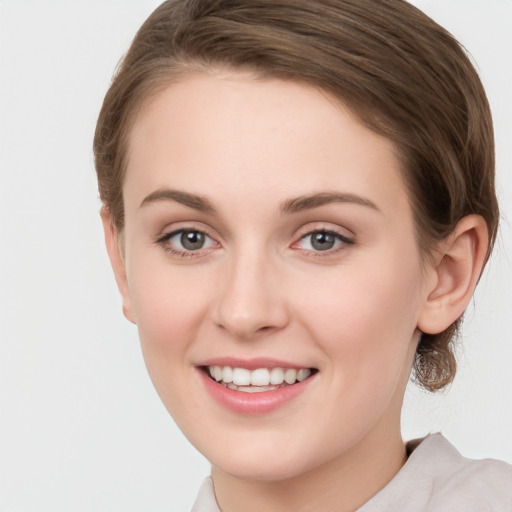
341, 240
164, 241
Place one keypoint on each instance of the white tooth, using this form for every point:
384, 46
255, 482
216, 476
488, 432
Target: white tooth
211, 369
276, 376
303, 374
241, 377
260, 377
252, 389
290, 376
227, 374
217, 373
232, 386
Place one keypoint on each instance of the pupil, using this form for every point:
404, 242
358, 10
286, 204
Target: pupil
323, 241
192, 240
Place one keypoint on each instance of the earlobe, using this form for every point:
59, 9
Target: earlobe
457, 270
115, 253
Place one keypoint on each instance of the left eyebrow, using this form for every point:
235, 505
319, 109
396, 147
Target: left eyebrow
309, 202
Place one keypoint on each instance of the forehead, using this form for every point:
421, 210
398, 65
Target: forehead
234, 136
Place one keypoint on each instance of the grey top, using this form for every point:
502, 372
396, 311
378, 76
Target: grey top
435, 478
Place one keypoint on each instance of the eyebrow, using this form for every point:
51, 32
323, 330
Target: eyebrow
309, 202
191, 200
290, 206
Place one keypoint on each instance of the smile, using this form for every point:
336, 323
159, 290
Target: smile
255, 386
258, 380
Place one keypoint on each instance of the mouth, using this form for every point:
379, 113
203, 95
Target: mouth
258, 380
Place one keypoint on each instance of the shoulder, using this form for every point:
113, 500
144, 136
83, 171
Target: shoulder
437, 478
205, 501
481, 485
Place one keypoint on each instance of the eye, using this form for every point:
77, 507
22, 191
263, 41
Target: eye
186, 241
321, 241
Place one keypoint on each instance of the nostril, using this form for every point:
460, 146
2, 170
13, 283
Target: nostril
248, 307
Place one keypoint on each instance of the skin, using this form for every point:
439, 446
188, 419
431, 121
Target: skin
258, 288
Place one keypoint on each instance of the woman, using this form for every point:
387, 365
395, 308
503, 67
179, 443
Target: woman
298, 204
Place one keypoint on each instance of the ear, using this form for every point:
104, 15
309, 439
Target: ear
116, 255
456, 271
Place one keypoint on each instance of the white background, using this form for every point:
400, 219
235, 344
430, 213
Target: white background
81, 428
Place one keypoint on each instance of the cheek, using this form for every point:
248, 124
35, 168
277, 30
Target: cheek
166, 298
364, 323
169, 308
365, 319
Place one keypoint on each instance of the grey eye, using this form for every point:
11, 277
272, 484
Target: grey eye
192, 240
322, 241
187, 240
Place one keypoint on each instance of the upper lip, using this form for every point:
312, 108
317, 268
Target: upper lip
251, 364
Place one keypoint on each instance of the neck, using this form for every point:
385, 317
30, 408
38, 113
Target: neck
343, 484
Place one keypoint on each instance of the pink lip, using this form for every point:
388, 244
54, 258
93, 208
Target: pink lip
253, 403
250, 364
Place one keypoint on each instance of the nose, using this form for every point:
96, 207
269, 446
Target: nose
251, 300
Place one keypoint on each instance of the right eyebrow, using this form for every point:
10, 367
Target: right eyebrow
185, 198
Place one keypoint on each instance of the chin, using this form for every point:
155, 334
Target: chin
259, 461
267, 470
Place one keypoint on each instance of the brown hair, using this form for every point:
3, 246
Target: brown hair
405, 77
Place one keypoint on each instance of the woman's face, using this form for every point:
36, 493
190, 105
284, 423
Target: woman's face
269, 236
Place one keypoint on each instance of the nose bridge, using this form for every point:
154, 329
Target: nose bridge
250, 300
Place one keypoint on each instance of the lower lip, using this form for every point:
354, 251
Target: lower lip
253, 403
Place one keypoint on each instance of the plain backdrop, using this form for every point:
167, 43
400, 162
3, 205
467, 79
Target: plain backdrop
81, 427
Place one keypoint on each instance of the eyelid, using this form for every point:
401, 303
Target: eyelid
171, 234
327, 227
185, 225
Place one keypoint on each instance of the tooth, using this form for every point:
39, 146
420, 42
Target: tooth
276, 376
290, 376
217, 373
256, 389
303, 374
227, 374
260, 377
251, 389
241, 377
